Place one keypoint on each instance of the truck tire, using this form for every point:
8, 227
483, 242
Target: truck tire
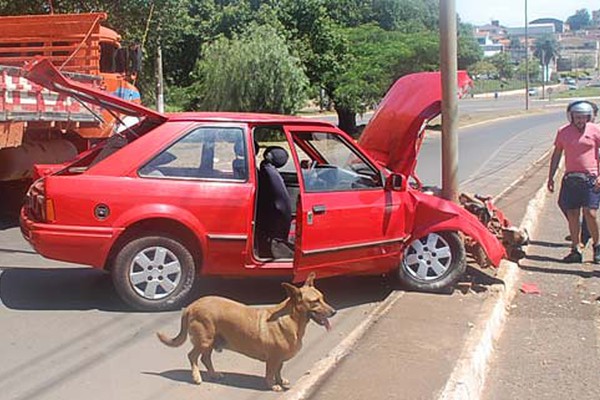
433, 262
154, 273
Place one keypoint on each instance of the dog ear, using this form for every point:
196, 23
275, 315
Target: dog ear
292, 291
310, 281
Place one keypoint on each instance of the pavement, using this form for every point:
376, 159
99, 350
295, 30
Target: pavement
443, 351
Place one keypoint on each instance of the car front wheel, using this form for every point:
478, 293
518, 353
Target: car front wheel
433, 262
154, 273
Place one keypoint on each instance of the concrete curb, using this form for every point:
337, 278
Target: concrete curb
468, 378
306, 386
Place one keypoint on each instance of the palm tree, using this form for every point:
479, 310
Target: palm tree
546, 50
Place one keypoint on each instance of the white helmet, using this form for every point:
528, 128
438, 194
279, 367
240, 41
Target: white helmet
580, 107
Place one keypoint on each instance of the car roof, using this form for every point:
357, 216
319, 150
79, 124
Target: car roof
253, 118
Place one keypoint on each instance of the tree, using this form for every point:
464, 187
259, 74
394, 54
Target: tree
580, 20
468, 49
546, 50
376, 59
251, 72
483, 69
503, 64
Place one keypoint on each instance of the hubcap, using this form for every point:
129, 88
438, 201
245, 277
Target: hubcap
154, 273
428, 258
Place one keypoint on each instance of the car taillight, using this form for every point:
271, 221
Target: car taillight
40, 207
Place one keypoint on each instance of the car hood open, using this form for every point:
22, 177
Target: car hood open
395, 133
42, 72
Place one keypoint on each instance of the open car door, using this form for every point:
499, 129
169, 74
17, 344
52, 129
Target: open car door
346, 221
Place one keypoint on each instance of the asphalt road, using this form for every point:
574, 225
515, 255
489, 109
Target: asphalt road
66, 335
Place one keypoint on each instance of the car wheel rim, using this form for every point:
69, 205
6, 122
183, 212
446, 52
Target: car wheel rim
155, 273
428, 258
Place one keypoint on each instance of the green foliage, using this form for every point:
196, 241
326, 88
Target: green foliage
483, 69
406, 15
503, 64
468, 49
580, 20
251, 72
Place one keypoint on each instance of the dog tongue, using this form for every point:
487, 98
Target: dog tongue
327, 324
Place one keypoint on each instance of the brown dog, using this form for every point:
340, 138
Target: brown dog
273, 334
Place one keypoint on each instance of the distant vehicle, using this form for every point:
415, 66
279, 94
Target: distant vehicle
570, 81
533, 92
572, 87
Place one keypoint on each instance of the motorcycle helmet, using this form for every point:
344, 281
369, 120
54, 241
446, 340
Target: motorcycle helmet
580, 107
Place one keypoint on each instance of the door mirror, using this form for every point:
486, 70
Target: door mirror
395, 182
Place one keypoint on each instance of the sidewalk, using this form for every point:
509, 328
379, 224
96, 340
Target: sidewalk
550, 345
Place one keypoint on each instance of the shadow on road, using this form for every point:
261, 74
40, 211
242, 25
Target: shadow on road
87, 288
233, 379
559, 271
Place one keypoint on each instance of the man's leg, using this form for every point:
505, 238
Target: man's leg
573, 216
589, 218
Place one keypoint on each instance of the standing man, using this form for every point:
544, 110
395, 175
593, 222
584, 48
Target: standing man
580, 188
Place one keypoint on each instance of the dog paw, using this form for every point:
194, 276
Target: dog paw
277, 388
197, 378
285, 383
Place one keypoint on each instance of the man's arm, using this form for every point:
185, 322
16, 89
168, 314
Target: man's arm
556, 155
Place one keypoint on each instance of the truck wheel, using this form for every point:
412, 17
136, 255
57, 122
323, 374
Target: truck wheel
433, 262
154, 273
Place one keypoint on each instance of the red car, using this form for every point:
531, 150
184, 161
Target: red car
181, 196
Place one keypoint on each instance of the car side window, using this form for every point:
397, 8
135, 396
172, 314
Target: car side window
335, 165
204, 153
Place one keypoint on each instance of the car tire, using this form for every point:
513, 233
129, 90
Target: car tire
154, 273
433, 262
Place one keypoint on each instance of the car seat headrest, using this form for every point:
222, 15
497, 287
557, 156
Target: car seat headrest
276, 155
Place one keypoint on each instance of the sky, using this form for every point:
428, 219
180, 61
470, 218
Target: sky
511, 13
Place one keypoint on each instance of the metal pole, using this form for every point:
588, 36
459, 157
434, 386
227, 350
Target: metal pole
526, 60
160, 97
448, 63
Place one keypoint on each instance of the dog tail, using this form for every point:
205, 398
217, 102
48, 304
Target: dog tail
181, 336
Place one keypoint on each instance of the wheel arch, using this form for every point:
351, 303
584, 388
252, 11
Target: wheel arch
159, 226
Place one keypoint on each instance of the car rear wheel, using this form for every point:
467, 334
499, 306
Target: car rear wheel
154, 273
433, 262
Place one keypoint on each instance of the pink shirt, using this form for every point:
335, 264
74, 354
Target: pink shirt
581, 149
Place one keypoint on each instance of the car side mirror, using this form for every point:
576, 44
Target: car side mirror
395, 182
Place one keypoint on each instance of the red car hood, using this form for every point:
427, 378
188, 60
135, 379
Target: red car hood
395, 133
42, 72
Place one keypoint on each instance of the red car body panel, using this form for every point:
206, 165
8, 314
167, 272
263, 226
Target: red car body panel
362, 231
394, 134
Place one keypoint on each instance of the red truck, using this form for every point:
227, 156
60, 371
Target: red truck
38, 126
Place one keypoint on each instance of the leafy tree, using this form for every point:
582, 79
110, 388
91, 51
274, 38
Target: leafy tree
377, 58
580, 20
483, 69
503, 64
546, 50
468, 49
406, 15
534, 70
251, 72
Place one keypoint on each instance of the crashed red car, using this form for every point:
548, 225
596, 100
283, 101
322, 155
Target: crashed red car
181, 196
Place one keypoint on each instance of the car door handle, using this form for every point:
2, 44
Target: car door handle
319, 209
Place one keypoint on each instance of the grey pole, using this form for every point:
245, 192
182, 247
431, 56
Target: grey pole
526, 60
448, 62
160, 97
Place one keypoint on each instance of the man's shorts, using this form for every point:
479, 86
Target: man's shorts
577, 191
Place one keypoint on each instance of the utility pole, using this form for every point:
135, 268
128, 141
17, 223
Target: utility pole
526, 60
160, 97
448, 62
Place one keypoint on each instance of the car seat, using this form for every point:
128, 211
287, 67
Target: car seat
274, 210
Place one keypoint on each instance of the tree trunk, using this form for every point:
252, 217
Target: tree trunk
347, 120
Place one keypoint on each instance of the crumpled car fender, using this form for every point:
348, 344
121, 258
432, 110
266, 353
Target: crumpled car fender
433, 214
